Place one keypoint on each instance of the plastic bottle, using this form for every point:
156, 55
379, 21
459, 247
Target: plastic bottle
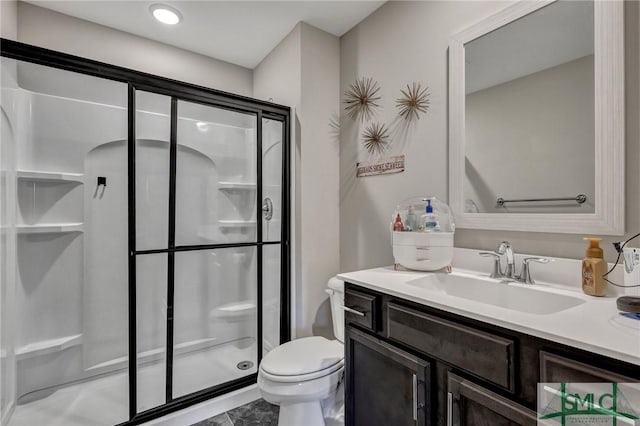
397, 225
428, 220
593, 268
412, 220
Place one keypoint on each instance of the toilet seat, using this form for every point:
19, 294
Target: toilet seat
302, 377
303, 359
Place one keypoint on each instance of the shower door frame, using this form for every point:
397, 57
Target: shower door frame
177, 90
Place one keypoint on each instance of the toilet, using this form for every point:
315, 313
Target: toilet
304, 377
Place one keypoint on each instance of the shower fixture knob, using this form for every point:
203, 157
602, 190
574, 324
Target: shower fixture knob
267, 208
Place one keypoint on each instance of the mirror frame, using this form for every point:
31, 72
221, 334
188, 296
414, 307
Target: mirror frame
608, 218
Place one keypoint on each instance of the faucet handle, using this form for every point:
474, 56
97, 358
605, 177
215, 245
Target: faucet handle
497, 269
525, 276
536, 259
489, 254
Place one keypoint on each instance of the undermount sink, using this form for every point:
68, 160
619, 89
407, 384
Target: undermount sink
517, 297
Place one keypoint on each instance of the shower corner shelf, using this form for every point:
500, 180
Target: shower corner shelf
50, 228
50, 176
210, 232
227, 186
46, 347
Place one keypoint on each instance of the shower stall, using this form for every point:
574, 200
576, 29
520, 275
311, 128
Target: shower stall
145, 241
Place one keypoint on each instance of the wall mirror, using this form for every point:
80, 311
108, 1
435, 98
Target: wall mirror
536, 119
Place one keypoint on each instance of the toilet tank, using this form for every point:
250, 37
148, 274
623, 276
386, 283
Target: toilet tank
336, 297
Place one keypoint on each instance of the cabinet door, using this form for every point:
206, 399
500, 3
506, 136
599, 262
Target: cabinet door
385, 385
469, 404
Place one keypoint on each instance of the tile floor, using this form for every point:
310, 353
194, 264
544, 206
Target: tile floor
255, 413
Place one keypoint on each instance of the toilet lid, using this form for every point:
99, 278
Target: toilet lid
303, 356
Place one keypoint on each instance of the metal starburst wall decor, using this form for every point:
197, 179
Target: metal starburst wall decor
362, 98
375, 138
414, 101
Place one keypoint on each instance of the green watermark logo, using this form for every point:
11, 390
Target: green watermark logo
565, 404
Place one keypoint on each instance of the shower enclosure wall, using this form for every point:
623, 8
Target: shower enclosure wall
139, 216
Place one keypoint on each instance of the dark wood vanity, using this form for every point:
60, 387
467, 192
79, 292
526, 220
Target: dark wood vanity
410, 364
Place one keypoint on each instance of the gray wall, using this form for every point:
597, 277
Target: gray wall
9, 19
53, 30
319, 183
278, 77
407, 41
303, 71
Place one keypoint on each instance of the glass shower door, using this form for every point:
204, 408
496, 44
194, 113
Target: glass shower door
216, 254
64, 286
152, 160
209, 197
273, 133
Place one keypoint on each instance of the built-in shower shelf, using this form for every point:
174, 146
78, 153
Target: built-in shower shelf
235, 311
228, 186
50, 228
236, 223
45, 347
50, 176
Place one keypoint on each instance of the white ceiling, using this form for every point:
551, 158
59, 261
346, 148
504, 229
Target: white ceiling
240, 32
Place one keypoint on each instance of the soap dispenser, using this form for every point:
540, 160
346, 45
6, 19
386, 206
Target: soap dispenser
593, 268
428, 220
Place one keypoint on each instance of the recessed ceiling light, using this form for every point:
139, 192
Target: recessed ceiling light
165, 14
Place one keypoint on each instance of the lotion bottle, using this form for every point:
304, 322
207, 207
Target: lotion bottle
428, 220
593, 268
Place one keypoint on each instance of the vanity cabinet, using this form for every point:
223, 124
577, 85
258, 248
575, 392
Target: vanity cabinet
385, 385
409, 364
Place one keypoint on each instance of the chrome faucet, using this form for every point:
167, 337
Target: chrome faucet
504, 248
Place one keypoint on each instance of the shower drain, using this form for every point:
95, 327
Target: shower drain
244, 365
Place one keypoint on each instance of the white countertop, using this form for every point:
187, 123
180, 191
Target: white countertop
594, 325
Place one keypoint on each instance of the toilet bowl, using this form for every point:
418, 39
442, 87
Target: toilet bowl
304, 375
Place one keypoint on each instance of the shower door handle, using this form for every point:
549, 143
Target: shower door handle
267, 208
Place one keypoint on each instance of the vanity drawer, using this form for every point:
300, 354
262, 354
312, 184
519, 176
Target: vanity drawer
362, 308
485, 355
558, 369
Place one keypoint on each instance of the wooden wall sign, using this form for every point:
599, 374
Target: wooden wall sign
383, 166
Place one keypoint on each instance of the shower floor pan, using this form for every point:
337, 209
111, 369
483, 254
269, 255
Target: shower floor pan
104, 400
